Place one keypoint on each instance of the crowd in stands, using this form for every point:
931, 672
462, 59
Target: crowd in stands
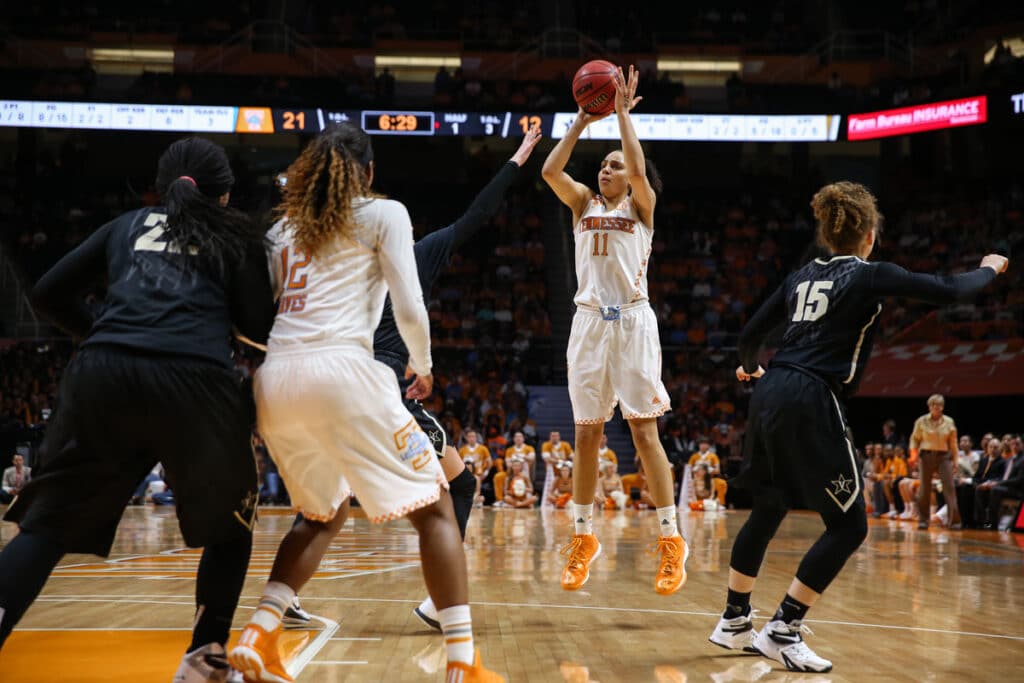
983, 478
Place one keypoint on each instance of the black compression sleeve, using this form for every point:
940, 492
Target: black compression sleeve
58, 296
252, 296
484, 206
888, 279
771, 313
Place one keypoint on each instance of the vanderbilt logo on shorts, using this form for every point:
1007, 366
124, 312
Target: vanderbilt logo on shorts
842, 486
246, 514
414, 445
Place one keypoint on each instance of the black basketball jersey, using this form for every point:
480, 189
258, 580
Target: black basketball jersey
154, 300
830, 308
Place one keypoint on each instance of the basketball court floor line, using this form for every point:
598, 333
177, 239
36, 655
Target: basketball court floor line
530, 605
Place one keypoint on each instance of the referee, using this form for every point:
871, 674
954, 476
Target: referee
153, 381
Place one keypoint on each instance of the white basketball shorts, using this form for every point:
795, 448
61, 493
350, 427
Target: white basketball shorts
615, 357
334, 423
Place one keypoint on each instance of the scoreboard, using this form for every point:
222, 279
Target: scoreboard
394, 122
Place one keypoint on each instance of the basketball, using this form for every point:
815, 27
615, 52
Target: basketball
593, 87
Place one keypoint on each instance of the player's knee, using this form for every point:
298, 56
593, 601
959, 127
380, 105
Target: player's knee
645, 436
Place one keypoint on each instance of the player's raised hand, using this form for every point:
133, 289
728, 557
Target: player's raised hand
625, 90
422, 386
995, 262
530, 141
586, 118
744, 376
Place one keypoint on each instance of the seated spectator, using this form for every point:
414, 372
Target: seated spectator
478, 459
554, 451
894, 470
635, 486
152, 483
1010, 484
990, 469
610, 493
15, 478
709, 459
520, 449
561, 489
518, 490
606, 455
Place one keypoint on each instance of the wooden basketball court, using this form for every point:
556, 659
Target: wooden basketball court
910, 606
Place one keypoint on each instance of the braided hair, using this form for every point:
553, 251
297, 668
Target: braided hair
330, 173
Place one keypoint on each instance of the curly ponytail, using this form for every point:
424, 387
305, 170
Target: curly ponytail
323, 182
846, 212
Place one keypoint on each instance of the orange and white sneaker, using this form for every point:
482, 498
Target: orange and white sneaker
672, 568
581, 551
258, 657
459, 672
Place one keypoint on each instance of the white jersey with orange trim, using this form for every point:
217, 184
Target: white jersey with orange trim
613, 247
337, 297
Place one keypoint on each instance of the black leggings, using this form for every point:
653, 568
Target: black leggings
844, 532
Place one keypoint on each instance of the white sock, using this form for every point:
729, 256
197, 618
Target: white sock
584, 516
457, 627
276, 599
667, 521
428, 608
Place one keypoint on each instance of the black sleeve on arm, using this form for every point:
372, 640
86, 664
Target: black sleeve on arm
888, 279
484, 206
59, 295
251, 296
771, 313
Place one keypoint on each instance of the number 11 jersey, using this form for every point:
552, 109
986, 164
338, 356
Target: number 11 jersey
613, 248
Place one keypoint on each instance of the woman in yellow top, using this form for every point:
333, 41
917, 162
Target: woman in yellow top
935, 440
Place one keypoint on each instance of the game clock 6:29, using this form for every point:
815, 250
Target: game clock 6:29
398, 122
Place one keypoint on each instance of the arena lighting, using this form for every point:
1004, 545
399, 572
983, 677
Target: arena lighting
131, 59
416, 61
699, 65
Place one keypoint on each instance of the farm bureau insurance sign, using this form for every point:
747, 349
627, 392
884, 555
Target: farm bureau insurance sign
934, 116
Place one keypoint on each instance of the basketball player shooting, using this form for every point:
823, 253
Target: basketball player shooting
614, 352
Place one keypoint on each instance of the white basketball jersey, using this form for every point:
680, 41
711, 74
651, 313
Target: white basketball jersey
613, 247
338, 296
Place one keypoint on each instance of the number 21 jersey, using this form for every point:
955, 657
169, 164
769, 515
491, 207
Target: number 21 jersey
613, 248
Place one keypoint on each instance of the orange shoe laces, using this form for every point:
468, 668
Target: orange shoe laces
574, 549
670, 552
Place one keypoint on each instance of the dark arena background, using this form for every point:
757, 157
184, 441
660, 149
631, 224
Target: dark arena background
748, 109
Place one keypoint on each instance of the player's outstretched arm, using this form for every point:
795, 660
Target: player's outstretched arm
888, 279
58, 295
632, 152
489, 199
573, 194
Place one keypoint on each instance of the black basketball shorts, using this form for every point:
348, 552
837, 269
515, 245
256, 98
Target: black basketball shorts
797, 448
119, 413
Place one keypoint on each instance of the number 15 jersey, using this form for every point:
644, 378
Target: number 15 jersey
613, 248
831, 309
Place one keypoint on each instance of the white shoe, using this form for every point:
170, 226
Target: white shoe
295, 616
907, 514
207, 664
785, 644
428, 614
735, 634
892, 514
